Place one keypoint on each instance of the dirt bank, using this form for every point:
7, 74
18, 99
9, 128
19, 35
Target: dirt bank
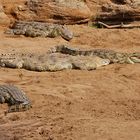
102, 104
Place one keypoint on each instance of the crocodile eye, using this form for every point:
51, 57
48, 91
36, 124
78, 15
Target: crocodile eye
106, 61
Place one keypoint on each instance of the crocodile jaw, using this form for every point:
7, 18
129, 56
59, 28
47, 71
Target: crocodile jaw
135, 59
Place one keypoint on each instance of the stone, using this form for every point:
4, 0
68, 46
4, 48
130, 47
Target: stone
56, 11
4, 19
120, 11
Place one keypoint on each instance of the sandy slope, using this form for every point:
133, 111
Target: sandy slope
103, 104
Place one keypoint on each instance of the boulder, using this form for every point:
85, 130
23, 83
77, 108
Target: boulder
56, 11
4, 19
120, 11
72, 11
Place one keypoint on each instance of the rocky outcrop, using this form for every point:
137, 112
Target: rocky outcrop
120, 11
4, 20
56, 11
71, 11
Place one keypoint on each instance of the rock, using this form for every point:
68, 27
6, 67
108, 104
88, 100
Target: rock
4, 20
72, 11
120, 11
56, 11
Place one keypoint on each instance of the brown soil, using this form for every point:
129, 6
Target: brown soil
102, 104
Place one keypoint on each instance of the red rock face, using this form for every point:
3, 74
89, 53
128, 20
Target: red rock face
4, 20
57, 11
120, 12
70, 11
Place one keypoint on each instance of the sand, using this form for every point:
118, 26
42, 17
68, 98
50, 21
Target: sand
102, 104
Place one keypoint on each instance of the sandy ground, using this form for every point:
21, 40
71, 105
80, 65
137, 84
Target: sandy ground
102, 104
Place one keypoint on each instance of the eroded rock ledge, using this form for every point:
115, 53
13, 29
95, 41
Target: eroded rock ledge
4, 20
56, 11
71, 11
120, 11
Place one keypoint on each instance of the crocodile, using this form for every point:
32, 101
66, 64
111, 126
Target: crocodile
36, 29
113, 56
14, 97
57, 62
88, 62
51, 61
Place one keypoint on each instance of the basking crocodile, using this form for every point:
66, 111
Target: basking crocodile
113, 56
64, 57
51, 62
88, 62
14, 97
35, 29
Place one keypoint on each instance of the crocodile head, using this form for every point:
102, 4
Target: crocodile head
134, 58
65, 33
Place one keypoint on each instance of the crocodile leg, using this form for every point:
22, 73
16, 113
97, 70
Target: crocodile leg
18, 108
13, 108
